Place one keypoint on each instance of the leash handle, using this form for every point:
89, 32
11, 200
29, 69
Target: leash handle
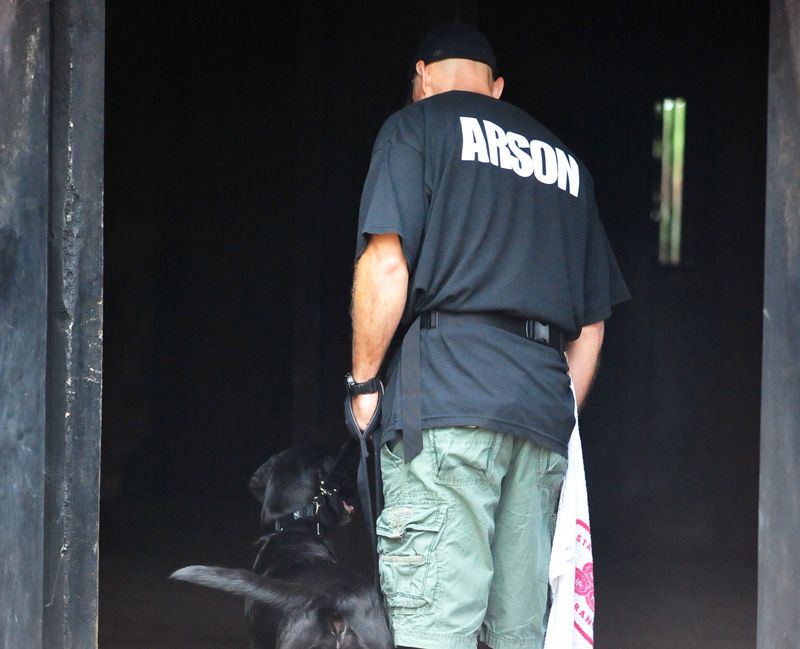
364, 494
350, 418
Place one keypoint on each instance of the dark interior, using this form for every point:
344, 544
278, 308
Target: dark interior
237, 140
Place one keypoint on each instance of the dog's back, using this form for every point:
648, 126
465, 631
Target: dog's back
303, 600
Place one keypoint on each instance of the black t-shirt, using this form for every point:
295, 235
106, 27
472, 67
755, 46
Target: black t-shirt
495, 215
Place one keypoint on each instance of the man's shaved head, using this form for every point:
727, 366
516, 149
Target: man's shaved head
454, 74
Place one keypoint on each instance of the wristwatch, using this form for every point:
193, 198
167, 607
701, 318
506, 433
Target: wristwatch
367, 387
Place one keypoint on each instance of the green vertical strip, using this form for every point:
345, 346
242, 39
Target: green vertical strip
678, 145
665, 215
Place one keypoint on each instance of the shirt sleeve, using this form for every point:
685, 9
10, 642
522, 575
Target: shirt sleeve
603, 285
394, 198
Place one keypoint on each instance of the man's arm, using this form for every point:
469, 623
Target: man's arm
582, 356
379, 297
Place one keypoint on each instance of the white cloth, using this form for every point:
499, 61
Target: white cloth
571, 621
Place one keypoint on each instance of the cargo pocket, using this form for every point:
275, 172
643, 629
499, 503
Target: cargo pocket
407, 538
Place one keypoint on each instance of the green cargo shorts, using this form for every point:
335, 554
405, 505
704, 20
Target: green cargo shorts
464, 539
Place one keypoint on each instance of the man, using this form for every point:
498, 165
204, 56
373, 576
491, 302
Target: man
478, 231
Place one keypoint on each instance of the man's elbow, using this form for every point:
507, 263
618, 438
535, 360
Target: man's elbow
391, 266
384, 257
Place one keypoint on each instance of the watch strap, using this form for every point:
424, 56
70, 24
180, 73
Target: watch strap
365, 387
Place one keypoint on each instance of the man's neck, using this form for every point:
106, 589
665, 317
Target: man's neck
467, 85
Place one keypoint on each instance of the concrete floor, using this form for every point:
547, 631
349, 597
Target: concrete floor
647, 601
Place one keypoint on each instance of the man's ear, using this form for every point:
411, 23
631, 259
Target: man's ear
497, 87
416, 82
424, 73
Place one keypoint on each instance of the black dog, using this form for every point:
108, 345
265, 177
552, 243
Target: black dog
298, 595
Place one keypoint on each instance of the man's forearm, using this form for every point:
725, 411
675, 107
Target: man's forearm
379, 297
583, 355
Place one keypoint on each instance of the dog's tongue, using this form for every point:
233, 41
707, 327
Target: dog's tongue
348, 507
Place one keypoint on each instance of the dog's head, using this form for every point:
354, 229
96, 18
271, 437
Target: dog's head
291, 479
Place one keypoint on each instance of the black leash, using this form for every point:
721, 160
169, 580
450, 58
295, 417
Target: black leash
362, 437
341, 470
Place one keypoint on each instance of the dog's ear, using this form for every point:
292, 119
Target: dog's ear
257, 485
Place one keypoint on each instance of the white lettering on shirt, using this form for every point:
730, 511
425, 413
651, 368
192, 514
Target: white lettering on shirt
523, 164
544, 162
506, 149
568, 171
473, 142
496, 139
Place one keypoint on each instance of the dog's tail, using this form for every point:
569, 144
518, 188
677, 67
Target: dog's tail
270, 592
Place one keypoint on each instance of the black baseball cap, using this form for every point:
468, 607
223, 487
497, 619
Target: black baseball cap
455, 41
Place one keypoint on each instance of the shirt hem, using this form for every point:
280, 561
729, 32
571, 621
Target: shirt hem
387, 229
597, 316
537, 436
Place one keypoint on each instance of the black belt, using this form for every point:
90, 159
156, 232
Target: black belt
410, 360
526, 327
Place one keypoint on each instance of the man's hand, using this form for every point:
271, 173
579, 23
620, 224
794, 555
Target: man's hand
364, 406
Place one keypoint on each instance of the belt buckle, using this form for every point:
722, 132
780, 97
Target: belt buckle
541, 332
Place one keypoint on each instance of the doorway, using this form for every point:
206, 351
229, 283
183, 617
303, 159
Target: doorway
236, 145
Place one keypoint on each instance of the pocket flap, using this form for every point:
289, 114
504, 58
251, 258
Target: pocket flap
423, 516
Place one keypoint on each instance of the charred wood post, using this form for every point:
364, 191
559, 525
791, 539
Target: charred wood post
51, 245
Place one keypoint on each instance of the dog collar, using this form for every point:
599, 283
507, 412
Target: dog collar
327, 495
306, 512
